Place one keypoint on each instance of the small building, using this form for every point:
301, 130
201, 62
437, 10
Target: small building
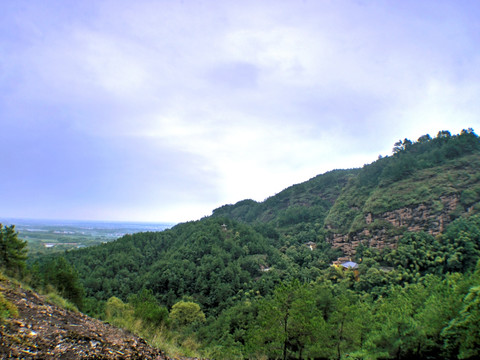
341, 260
264, 268
311, 245
350, 265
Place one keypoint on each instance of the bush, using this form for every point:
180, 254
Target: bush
147, 309
185, 313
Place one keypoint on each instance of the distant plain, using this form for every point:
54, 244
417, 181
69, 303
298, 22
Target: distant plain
48, 236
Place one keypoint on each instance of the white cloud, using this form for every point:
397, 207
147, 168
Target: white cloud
251, 97
112, 64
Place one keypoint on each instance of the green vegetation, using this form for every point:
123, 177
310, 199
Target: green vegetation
53, 298
60, 275
185, 313
255, 281
13, 252
417, 173
7, 309
57, 278
302, 203
146, 308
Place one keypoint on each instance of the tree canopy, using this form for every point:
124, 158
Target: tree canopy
13, 250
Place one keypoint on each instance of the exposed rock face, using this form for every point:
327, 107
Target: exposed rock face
416, 218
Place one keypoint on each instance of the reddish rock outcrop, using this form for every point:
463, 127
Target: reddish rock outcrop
421, 217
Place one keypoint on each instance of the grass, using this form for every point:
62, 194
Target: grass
174, 344
55, 299
7, 309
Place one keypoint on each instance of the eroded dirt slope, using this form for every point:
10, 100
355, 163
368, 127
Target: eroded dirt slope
45, 331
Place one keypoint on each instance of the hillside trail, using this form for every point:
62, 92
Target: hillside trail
46, 331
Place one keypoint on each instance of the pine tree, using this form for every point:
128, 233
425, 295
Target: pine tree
13, 251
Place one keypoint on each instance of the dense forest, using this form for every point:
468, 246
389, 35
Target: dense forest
380, 262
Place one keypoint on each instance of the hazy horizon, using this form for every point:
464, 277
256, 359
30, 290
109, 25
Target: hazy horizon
5, 220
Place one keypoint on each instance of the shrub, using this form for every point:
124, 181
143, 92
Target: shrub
185, 313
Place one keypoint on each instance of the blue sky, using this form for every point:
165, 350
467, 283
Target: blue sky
165, 110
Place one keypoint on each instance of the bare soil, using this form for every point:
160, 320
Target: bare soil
45, 331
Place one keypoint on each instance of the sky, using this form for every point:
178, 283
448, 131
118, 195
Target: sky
165, 110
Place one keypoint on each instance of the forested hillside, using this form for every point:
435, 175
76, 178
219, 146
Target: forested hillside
306, 202
424, 185
255, 280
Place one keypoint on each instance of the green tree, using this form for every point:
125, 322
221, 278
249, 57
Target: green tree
461, 242
348, 322
464, 331
443, 300
114, 308
288, 323
462, 335
227, 334
63, 276
146, 307
184, 313
396, 334
118, 313
13, 251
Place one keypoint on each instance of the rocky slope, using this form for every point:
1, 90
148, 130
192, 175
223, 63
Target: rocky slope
426, 201
45, 331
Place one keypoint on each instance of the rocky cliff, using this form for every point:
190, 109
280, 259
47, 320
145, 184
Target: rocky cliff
384, 230
428, 200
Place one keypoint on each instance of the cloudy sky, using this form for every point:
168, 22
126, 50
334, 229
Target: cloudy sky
164, 110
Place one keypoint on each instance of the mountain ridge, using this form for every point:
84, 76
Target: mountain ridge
424, 180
